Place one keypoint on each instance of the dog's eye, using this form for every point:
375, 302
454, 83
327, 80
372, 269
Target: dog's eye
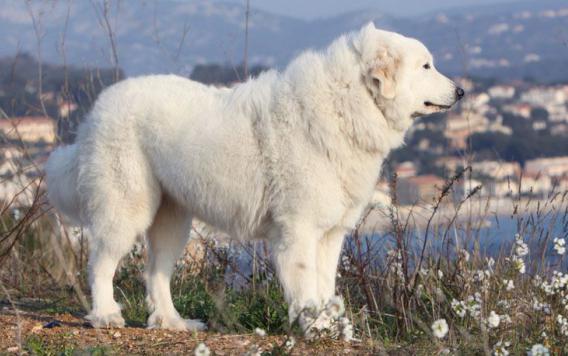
426, 66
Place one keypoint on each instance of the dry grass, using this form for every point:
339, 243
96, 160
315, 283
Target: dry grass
395, 283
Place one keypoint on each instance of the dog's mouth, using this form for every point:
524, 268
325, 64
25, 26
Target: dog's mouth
430, 109
431, 105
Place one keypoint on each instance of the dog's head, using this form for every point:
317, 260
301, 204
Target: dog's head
399, 73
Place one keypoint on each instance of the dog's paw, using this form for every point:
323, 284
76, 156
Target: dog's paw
327, 327
327, 322
159, 321
112, 320
320, 327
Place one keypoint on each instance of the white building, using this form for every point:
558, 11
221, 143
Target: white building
550, 167
29, 129
502, 92
539, 184
497, 170
501, 188
540, 96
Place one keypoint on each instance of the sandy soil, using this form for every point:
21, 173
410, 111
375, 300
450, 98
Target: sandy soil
20, 331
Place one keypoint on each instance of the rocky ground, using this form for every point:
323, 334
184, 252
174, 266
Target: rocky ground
37, 332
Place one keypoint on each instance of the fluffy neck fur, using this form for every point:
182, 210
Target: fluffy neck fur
315, 81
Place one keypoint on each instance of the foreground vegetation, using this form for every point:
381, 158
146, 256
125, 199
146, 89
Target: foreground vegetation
437, 289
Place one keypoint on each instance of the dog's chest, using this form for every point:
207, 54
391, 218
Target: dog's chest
358, 178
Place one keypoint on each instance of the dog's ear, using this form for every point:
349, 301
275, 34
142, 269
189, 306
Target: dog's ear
368, 27
363, 36
384, 71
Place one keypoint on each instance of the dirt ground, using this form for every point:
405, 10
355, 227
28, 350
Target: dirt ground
29, 332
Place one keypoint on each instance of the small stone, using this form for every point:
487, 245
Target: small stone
13, 349
52, 324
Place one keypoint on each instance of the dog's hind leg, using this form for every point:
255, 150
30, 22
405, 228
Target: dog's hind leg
167, 238
107, 247
119, 205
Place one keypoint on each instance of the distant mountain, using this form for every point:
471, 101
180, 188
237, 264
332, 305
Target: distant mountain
514, 40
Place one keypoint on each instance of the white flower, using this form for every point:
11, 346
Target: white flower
335, 307
505, 319
560, 245
504, 304
260, 332
563, 323
458, 307
16, 214
440, 328
538, 350
559, 280
521, 248
519, 264
290, 343
493, 320
419, 289
463, 254
473, 305
500, 348
202, 350
509, 285
345, 262
440, 274
538, 306
547, 288
346, 329
396, 267
255, 350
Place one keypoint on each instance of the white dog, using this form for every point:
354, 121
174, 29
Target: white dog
289, 157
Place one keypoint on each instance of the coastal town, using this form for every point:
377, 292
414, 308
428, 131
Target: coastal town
472, 135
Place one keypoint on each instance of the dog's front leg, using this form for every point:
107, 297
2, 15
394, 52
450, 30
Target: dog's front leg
328, 252
295, 256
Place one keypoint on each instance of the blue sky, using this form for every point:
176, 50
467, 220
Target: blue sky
310, 9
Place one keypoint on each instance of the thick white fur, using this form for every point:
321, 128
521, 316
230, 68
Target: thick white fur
289, 157
62, 166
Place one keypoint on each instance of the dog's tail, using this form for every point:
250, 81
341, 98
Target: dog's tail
61, 172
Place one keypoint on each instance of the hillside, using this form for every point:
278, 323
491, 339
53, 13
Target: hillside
525, 39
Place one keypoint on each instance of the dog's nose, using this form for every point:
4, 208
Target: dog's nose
459, 93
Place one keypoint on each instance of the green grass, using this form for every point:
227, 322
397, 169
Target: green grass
63, 346
208, 299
